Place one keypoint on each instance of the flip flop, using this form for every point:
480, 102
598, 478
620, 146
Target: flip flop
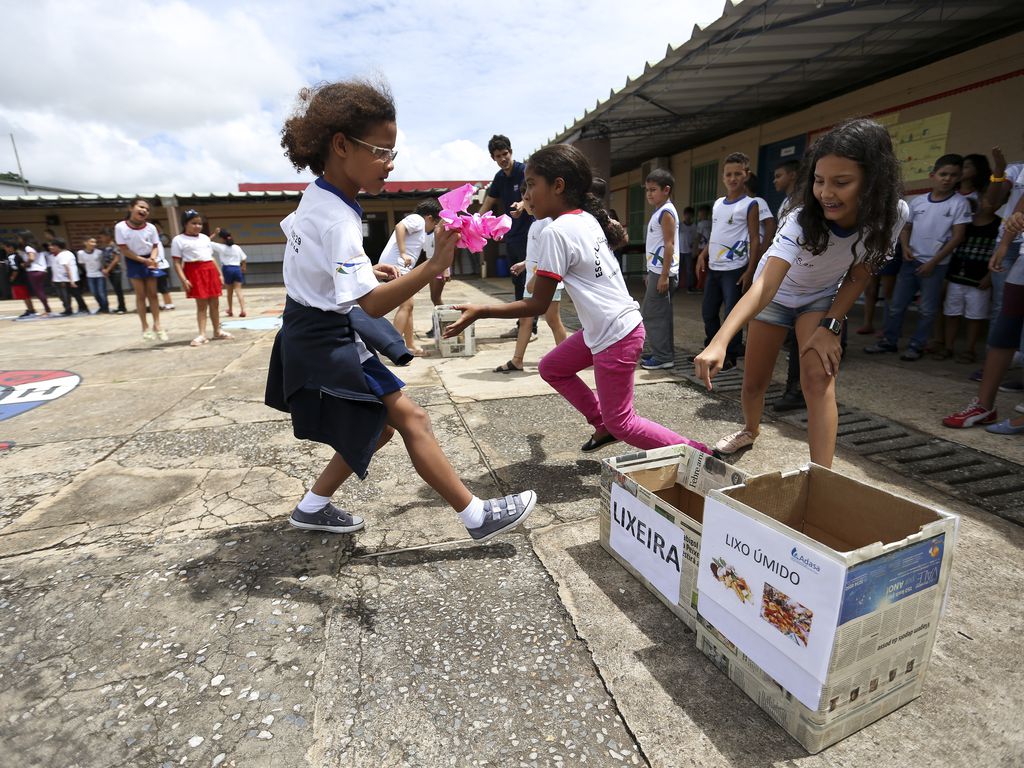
508, 367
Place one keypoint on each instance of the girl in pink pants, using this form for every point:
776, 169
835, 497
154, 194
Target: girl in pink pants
574, 251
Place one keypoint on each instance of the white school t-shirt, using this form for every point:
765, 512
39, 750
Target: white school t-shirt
812, 277
687, 237
139, 241
932, 223
415, 236
1014, 173
93, 262
764, 212
189, 248
229, 255
574, 250
65, 268
36, 265
533, 249
729, 243
656, 240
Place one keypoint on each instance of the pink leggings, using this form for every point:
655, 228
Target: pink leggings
612, 407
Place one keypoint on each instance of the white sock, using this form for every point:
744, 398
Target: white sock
312, 503
473, 515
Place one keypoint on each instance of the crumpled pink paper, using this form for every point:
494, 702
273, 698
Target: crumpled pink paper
474, 230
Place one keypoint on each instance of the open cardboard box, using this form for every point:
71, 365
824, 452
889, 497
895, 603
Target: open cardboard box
820, 596
657, 497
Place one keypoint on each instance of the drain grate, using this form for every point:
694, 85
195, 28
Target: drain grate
967, 474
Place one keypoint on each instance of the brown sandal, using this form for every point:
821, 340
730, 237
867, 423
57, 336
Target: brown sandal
508, 367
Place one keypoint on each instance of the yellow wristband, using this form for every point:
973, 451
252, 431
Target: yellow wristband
996, 179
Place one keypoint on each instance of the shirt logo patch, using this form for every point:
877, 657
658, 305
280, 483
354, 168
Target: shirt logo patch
349, 267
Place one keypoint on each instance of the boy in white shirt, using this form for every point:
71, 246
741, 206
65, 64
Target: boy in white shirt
662, 277
937, 225
688, 248
735, 234
91, 258
767, 225
65, 274
402, 251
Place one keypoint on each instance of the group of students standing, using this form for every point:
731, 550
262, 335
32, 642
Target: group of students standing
136, 243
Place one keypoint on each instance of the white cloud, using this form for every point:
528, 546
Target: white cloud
178, 96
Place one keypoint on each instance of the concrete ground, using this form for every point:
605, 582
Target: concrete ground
158, 610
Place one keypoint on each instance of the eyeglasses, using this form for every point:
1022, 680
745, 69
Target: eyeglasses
381, 153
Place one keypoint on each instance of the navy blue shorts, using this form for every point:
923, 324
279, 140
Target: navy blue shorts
891, 267
139, 271
379, 378
233, 274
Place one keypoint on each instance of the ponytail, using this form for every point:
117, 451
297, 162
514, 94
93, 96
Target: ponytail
613, 230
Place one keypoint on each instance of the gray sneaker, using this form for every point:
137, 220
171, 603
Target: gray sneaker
502, 515
329, 518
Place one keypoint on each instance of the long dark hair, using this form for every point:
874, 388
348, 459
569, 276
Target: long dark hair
868, 144
982, 171
565, 162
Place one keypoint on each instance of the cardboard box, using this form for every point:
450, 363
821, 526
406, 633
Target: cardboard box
463, 345
652, 506
820, 597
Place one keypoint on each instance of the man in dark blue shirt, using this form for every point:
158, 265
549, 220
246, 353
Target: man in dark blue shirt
508, 188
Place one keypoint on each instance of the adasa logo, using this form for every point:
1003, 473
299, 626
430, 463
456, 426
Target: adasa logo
21, 391
803, 560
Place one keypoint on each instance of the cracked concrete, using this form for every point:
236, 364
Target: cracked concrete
157, 610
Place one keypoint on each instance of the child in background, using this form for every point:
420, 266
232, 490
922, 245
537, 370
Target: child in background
969, 289
112, 266
438, 283
19, 278
232, 265
337, 391
847, 215
936, 227
553, 316
574, 250
688, 237
35, 269
91, 258
163, 282
703, 227
1003, 340
139, 243
192, 252
662, 276
402, 251
767, 225
65, 275
735, 235
792, 399
975, 179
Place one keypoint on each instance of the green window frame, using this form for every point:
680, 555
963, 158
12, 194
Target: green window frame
704, 184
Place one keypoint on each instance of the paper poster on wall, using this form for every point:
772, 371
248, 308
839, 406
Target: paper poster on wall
788, 595
919, 143
649, 542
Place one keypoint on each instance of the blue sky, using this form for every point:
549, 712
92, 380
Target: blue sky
190, 96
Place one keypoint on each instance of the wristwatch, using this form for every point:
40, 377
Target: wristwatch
834, 325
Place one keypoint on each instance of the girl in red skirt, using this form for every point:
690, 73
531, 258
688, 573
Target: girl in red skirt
192, 252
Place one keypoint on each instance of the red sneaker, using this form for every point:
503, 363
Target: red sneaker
975, 413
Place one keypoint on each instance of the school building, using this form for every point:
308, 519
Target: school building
770, 75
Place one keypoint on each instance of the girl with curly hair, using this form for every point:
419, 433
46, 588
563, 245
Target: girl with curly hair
848, 213
321, 372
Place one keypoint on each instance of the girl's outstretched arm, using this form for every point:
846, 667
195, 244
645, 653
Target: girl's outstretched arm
536, 305
387, 296
709, 362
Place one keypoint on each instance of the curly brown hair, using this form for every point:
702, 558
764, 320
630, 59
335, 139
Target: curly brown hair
351, 107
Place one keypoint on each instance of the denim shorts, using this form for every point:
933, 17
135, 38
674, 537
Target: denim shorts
777, 314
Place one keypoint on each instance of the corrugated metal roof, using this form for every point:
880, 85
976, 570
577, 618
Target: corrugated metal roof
763, 59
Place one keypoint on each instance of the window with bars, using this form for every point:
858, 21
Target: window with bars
704, 184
